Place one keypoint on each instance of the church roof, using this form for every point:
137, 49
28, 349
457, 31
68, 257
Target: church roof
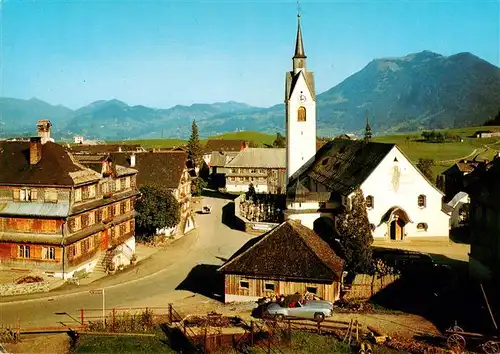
291, 81
289, 251
340, 166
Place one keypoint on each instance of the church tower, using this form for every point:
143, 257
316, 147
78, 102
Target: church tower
300, 106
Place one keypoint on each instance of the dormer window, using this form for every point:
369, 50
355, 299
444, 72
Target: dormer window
422, 201
369, 201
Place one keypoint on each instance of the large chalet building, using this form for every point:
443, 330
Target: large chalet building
58, 216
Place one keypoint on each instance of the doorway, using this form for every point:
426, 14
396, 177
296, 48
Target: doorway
397, 228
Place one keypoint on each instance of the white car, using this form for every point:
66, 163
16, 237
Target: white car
314, 309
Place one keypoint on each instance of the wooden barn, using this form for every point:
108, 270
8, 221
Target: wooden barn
288, 259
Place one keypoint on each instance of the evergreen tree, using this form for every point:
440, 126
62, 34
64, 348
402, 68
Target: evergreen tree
355, 236
280, 141
195, 149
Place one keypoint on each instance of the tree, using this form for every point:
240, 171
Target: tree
197, 186
195, 150
425, 166
252, 144
250, 195
280, 141
156, 209
355, 236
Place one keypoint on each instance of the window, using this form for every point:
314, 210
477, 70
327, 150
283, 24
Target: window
85, 245
117, 185
369, 202
122, 184
253, 171
122, 208
72, 251
78, 195
244, 284
301, 114
269, 287
77, 223
92, 191
51, 195
85, 220
24, 251
127, 182
91, 218
85, 192
27, 195
422, 226
127, 205
422, 201
312, 289
49, 253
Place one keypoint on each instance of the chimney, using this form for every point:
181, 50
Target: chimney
132, 160
35, 150
44, 130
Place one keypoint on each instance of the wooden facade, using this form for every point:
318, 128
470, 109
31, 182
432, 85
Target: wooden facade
253, 287
62, 215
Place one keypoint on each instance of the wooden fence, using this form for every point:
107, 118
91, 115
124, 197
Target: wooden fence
365, 286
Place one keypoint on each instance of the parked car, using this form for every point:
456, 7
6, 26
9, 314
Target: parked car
207, 209
314, 309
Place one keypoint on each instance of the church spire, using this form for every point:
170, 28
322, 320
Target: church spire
299, 45
368, 130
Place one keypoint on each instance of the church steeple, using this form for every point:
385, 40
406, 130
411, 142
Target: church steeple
368, 130
299, 58
299, 45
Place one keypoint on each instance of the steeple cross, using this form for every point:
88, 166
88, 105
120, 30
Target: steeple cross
298, 8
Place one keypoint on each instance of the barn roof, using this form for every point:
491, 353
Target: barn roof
224, 145
289, 251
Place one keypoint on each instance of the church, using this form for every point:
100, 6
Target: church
401, 203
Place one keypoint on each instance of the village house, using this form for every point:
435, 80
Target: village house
481, 134
222, 146
483, 187
105, 148
288, 259
264, 168
57, 216
454, 177
401, 203
167, 169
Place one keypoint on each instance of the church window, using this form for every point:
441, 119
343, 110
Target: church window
422, 226
301, 114
369, 201
422, 201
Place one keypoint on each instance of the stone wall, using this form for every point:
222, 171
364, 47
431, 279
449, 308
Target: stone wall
30, 288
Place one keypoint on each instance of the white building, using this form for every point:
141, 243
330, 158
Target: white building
300, 110
78, 139
402, 203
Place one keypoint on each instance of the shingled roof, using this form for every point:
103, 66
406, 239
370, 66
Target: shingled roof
291, 80
260, 158
220, 159
106, 148
224, 145
55, 168
340, 165
155, 168
289, 251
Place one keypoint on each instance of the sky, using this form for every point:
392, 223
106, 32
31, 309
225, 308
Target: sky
164, 53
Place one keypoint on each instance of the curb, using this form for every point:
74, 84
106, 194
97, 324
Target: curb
80, 292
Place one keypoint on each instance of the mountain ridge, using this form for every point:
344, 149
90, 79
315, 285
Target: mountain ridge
421, 90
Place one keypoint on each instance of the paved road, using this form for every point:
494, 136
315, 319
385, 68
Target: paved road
209, 244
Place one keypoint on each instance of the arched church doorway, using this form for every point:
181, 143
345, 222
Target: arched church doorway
397, 228
396, 219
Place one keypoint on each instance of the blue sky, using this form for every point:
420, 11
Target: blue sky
163, 53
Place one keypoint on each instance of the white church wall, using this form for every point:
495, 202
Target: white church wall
301, 136
306, 219
390, 190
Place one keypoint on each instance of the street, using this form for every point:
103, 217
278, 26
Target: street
210, 243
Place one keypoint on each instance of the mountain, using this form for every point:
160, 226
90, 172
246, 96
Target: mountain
419, 91
424, 90
18, 117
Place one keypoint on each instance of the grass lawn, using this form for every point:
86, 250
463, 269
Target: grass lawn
305, 343
258, 138
121, 344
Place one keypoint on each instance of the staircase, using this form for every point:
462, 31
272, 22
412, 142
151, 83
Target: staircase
102, 263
